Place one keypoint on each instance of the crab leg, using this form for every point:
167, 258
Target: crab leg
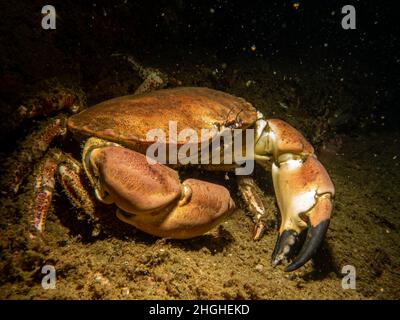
303, 188
44, 189
50, 103
153, 79
32, 149
152, 82
70, 175
253, 197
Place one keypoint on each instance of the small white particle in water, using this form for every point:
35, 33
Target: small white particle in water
325, 45
284, 106
394, 158
212, 10
249, 83
387, 231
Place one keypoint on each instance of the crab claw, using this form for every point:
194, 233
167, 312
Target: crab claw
303, 189
304, 192
151, 197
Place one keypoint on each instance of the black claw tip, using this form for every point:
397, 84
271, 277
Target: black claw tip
284, 246
315, 237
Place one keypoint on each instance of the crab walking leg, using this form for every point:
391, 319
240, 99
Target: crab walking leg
56, 101
253, 197
136, 66
152, 82
43, 188
153, 79
303, 189
32, 149
70, 174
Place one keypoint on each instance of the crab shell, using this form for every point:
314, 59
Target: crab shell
127, 120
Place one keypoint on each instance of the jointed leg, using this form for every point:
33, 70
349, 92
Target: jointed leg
153, 79
254, 198
31, 150
52, 100
152, 82
70, 175
43, 190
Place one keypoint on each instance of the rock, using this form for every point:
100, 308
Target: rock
259, 267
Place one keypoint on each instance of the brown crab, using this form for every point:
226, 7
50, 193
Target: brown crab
151, 196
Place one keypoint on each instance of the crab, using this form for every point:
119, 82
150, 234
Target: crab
114, 169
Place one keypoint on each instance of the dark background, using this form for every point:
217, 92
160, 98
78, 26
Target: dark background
174, 31
338, 87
